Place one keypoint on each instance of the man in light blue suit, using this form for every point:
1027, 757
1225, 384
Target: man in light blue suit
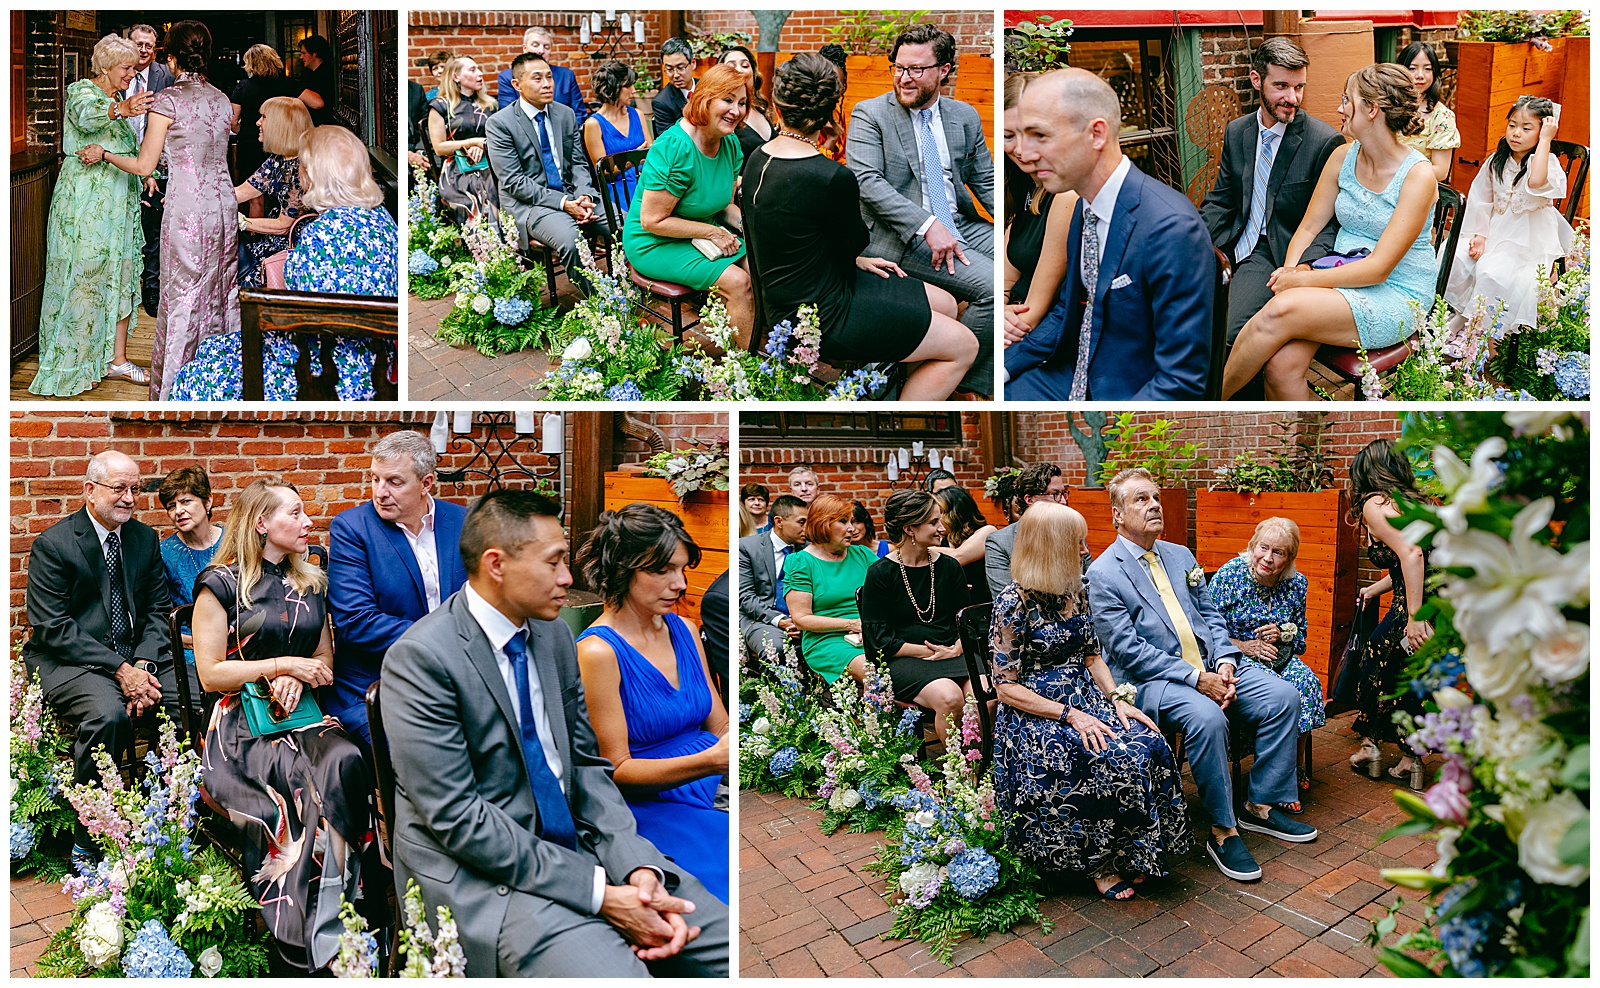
1160, 631
1133, 318
391, 560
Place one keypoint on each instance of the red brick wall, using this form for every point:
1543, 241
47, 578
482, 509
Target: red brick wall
1225, 60
807, 30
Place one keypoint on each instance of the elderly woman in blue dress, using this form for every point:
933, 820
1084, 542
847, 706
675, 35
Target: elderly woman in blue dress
1263, 600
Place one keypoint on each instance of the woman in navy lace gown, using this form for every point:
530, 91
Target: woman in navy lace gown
1088, 783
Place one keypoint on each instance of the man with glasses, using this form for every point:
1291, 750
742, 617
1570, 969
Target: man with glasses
1040, 482
98, 609
924, 172
149, 76
677, 66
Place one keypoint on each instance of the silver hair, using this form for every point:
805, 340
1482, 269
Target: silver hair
542, 32
410, 445
111, 51
1115, 485
99, 466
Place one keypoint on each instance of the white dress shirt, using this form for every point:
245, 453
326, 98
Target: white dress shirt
424, 546
1104, 205
778, 547
937, 123
102, 531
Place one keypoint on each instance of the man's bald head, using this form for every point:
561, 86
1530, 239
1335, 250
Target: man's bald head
1070, 121
111, 488
103, 465
1082, 97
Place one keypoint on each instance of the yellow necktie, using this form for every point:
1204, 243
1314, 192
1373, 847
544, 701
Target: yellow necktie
1180, 620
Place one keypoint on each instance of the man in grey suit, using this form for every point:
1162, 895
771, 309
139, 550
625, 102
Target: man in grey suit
1039, 482
764, 620
149, 78
537, 155
1252, 223
1159, 630
932, 229
505, 810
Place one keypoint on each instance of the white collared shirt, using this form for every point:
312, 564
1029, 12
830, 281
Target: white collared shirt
1192, 677
937, 123
424, 546
100, 530
778, 545
1105, 204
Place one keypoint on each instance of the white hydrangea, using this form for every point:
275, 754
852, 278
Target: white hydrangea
914, 878
101, 936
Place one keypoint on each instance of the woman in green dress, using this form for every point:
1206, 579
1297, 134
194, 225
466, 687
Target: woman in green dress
819, 586
687, 196
93, 259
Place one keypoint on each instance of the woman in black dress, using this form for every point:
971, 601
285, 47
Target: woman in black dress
301, 798
968, 533
1379, 476
263, 81
802, 220
458, 120
1036, 230
919, 641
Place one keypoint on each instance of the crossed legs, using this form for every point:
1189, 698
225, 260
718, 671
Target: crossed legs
1281, 340
944, 355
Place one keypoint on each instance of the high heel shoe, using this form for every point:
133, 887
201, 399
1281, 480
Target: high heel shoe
1413, 773
1369, 757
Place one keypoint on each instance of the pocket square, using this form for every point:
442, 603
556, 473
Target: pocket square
1121, 281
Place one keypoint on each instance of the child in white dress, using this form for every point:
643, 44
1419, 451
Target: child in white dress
1512, 231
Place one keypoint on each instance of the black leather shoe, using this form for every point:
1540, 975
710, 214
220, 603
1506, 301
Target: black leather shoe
152, 301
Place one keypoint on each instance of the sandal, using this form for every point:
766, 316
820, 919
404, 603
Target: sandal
128, 370
1295, 807
1114, 893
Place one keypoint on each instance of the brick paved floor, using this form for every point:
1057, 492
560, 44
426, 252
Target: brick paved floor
38, 911
808, 908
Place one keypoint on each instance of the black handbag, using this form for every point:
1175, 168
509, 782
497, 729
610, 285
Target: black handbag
1351, 657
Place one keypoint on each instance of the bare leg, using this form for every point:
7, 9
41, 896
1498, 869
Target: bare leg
857, 669
1284, 377
734, 287
1320, 315
943, 356
945, 698
119, 344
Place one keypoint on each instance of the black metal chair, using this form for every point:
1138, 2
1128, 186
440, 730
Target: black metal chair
607, 172
973, 623
1219, 325
383, 792
192, 709
1574, 160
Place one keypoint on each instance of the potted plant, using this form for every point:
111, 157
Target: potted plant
707, 46
1157, 447
1038, 45
1292, 481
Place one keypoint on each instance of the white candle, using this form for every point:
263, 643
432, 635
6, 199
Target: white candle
463, 422
905, 457
440, 434
627, 23
894, 468
524, 423
611, 15
583, 31
638, 31
933, 459
594, 22
916, 449
949, 464
553, 441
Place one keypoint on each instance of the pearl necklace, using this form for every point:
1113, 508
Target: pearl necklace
922, 616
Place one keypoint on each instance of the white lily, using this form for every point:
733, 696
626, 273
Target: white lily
1468, 487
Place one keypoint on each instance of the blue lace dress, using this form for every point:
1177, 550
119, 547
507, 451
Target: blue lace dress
184, 565
1383, 311
1246, 605
683, 823
1119, 811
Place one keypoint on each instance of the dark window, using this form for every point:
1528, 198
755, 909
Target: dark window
1138, 66
847, 428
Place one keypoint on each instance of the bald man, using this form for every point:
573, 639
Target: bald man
1138, 258
98, 609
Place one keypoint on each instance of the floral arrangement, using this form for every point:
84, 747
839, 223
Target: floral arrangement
427, 955
787, 368
1550, 361
1449, 357
867, 737
1520, 25
778, 749
41, 819
997, 487
949, 871
156, 906
433, 247
1509, 809
498, 307
690, 470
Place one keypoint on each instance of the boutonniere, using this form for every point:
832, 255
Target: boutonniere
1195, 576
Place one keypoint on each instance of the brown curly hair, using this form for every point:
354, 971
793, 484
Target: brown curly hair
1388, 87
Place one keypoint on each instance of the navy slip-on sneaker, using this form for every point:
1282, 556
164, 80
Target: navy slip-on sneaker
1277, 824
1234, 859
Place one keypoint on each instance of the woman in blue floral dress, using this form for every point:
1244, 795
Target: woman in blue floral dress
1263, 600
1087, 782
351, 248
284, 123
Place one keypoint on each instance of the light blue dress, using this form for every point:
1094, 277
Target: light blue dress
683, 822
1382, 311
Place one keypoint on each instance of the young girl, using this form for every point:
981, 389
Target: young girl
1512, 230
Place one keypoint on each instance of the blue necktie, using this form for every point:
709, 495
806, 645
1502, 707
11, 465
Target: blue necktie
933, 175
555, 816
1258, 199
783, 605
552, 171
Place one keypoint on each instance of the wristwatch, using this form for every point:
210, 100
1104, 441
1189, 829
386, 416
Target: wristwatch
1065, 710
145, 665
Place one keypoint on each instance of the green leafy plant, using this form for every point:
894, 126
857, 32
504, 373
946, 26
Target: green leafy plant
498, 305
688, 470
868, 736
779, 750
41, 819
1038, 45
1155, 446
1520, 25
872, 32
433, 247
710, 45
1297, 464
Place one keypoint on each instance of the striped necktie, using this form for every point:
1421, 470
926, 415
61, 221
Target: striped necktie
1258, 199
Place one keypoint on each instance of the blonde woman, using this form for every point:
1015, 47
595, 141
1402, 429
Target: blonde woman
264, 79
458, 119
1087, 780
282, 126
302, 798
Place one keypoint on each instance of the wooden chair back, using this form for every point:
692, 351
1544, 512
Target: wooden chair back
326, 317
973, 623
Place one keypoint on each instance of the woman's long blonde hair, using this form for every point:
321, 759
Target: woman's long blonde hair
242, 544
338, 171
451, 92
1047, 554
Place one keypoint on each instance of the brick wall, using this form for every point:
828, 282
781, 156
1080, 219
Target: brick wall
323, 454
807, 30
494, 38
1225, 58
48, 37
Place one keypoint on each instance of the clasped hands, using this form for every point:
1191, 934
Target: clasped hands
297, 674
580, 209
141, 690
648, 916
1286, 277
1219, 686
1264, 647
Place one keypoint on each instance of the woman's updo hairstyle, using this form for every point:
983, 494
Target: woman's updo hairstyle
610, 79
805, 91
1388, 87
907, 509
638, 537
189, 44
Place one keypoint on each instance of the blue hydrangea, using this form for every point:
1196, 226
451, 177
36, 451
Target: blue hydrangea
512, 311
153, 955
910, 720
782, 763
869, 794
1572, 375
973, 873
744, 712
626, 391
420, 264
23, 839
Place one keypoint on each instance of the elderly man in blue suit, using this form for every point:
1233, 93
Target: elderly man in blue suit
391, 560
1133, 319
1160, 631
569, 93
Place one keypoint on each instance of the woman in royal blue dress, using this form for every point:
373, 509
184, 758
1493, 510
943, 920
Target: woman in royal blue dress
655, 715
615, 127
1088, 782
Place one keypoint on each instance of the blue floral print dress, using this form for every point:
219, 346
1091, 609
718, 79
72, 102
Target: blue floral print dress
1246, 605
1118, 811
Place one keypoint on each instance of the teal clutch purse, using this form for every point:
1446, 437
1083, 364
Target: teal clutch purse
264, 715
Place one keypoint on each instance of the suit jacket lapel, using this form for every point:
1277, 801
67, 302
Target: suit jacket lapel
94, 557
1141, 580
402, 547
481, 654
1293, 134
907, 131
955, 138
551, 689
1247, 168
530, 133
1123, 220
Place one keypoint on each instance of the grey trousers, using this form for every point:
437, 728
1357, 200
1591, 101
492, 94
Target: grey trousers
556, 229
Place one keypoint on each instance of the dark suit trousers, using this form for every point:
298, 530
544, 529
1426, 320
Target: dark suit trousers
150, 211
556, 229
972, 283
1248, 294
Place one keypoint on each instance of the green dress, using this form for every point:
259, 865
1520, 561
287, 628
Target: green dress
704, 188
94, 257
832, 587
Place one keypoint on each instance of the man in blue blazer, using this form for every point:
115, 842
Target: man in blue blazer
1160, 630
1133, 319
391, 560
568, 92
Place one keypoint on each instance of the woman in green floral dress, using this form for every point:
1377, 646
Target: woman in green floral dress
91, 283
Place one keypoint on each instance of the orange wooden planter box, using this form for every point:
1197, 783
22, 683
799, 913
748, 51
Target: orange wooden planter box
1224, 522
1094, 503
705, 517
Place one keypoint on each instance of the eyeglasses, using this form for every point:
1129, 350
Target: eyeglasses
120, 490
914, 71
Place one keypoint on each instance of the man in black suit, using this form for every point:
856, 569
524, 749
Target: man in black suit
714, 623
98, 609
677, 64
149, 76
763, 617
1251, 224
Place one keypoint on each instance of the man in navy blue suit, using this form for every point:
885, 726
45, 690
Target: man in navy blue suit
539, 41
1133, 319
391, 560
